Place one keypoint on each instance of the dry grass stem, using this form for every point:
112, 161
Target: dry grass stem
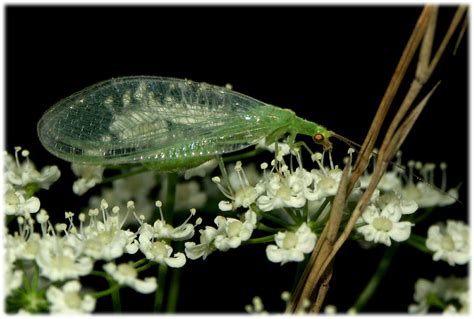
318, 272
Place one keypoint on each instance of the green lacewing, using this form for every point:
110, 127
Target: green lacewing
165, 123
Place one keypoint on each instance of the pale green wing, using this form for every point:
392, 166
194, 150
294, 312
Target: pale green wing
148, 119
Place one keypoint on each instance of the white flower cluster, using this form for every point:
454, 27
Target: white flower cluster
22, 180
451, 295
284, 193
68, 299
397, 195
449, 242
230, 233
407, 183
281, 187
63, 253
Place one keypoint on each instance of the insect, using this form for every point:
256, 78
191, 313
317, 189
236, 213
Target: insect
165, 123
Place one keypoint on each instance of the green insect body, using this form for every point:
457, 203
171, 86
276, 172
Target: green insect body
167, 124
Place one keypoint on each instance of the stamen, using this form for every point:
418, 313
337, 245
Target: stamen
193, 212
331, 164
159, 204
17, 149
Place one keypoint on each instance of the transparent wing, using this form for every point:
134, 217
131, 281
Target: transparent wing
133, 119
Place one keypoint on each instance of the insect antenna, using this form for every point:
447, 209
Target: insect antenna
350, 143
357, 148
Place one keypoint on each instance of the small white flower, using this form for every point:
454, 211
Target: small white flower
162, 230
326, 183
126, 274
206, 244
89, 175
282, 192
406, 206
447, 290
160, 252
424, 193
25, 173
68, 299
17, 204
326, 179
104, 239
58, 260
232, 232
291, 246
450, 243
24, 246
241, 192
381, 226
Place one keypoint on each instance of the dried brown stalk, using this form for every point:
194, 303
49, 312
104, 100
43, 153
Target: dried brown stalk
319, 268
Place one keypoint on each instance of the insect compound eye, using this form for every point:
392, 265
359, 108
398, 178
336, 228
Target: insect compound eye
318, 138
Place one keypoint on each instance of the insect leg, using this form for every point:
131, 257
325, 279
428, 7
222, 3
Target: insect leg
301, 143
224, 173
276, 135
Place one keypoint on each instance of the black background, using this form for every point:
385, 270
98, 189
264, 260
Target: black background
330, 65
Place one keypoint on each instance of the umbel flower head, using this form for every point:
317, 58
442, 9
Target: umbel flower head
230, 233
381, 225
291, 246
449, 242
68, 299
450, 294
103, 237
126, 274
23, 175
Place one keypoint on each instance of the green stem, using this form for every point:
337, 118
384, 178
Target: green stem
419, 243
124, 175
269, 216
140, 262
260, 240
145, 267
374, 282
292, 215
417, 218
106, 292
26, 282
115, 294
173, 291
169, 197
99, 274
160, 292
35, 279
305, 212
261, 226
322, 207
